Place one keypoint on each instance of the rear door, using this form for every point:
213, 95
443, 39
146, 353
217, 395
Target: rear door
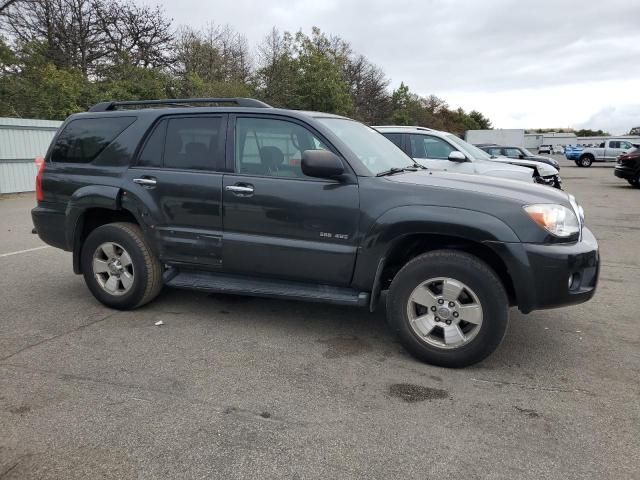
277, 221
176, 182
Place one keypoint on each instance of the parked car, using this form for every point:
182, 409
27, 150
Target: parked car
608, 151
628, 166
548, 149
247, 199
433, 149
573, 152
518, 152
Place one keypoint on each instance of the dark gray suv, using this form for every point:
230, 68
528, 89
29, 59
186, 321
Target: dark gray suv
230, 195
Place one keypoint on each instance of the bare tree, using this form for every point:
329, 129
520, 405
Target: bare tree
66, 30
215, 54
368, 85
6, 4
138, 34
90, 34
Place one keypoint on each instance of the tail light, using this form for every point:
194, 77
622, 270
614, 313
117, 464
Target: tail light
40, 163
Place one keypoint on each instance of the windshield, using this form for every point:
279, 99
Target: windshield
468, 149
376, 152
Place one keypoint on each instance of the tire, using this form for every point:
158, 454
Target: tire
126, 279
459, 268
586, 161
635, 182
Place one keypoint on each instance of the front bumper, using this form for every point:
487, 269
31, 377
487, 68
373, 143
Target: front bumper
550, 180
552, 275
623, 171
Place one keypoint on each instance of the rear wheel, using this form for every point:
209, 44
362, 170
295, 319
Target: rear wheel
119, 267
449, 308
586, 161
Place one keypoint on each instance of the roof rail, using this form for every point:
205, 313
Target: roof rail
415, 127
178, 102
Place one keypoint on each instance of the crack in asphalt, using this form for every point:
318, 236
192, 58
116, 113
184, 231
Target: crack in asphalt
58, 336
529, 386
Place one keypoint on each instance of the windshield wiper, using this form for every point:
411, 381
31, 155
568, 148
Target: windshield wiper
395, 170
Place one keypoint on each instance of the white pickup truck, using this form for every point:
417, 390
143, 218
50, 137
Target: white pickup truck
607, 151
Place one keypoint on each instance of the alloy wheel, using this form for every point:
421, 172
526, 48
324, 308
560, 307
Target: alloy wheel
444, 313
113, 268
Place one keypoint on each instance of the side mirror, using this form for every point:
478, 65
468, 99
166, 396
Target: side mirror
521, 155
457, 157
321, 164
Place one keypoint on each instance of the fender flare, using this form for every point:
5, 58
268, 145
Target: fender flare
396, 224
83, 199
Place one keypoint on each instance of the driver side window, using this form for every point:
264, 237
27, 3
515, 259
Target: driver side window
273, 148
426, 146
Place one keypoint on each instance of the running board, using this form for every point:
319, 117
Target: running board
262, 287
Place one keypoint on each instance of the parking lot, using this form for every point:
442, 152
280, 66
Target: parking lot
236, 387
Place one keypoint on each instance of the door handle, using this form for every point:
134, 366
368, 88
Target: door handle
145, 182
240, 189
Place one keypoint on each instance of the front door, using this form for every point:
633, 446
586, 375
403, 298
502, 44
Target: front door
433, 153
176, 182
277, 221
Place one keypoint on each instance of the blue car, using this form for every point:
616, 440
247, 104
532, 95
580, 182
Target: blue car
572, 152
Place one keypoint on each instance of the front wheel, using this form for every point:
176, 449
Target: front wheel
449, 308
119, 267
635, 182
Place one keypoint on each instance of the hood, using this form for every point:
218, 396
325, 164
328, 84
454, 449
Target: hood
524, 193
634, 155
548, 160
543, 168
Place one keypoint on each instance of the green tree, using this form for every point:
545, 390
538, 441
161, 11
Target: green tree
320, 85
401, 100
483, 122
587, 132
30, 86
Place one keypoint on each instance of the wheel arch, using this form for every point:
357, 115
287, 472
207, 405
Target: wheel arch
405, 232
89, 208
410, 246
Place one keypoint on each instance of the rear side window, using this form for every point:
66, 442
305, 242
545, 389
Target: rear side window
83, 140
194, 143
186, 143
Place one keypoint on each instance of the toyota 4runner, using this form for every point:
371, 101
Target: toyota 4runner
230, 195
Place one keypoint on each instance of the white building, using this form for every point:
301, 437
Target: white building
499, 136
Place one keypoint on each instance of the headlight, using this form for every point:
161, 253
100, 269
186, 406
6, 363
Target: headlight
556, 219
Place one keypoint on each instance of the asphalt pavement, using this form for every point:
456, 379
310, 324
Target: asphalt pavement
248, 388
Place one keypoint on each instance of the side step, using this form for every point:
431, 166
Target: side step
262, 287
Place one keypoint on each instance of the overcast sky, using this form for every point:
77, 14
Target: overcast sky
538, 63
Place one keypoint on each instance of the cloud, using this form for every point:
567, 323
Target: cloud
526, 51
617, 120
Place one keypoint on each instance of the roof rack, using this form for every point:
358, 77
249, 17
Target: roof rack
415, 127
178, 102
